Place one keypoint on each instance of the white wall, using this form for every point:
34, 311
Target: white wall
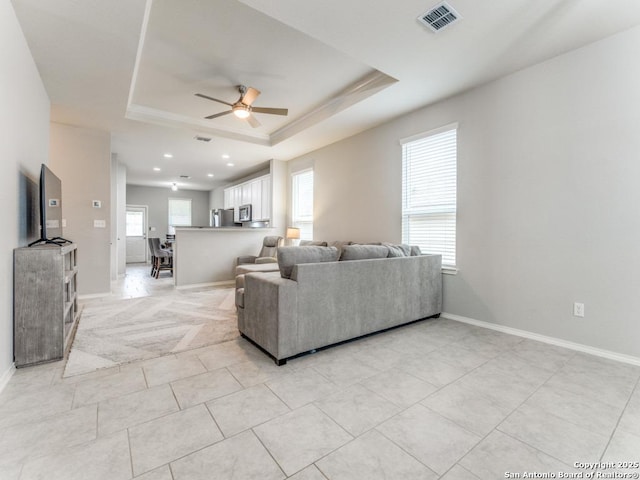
157, 199
122, 218
279, 182
24, 123
81, 158
118, 217
216, 198
548, 195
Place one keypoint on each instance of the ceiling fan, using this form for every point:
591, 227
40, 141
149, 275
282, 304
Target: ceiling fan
242, 108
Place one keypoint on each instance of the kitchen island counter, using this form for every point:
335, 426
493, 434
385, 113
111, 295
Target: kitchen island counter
207, 255
232, 229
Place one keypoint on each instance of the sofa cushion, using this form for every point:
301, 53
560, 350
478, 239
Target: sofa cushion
400, 250
339, 244
363, 252
290, 256
415, 251
256, 267
261, 260
312, 243
395, 251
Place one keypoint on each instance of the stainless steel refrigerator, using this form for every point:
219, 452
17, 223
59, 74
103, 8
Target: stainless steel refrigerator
222, 218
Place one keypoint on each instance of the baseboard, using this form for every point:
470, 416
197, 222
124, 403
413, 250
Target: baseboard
6, 376
94, 295
224, 283
620, 357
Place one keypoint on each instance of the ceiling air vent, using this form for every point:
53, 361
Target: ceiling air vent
185, 177
202, 139
439, 17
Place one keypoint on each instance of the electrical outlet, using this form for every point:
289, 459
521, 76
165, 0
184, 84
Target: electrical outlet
578, 309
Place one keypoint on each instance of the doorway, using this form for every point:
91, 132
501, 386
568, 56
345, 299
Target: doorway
136, 233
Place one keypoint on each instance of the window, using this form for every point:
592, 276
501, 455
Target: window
429, 192
135, 224
179, 213
302, 203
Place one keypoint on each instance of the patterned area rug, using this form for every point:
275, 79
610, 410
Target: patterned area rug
113, 332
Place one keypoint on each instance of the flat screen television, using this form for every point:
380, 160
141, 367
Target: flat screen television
50, 208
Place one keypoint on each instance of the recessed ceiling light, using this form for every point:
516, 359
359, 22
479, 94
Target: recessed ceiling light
168, 155
156, 169
229, 164
224, 155
209, 174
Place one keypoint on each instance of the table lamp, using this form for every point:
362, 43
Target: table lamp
293, 234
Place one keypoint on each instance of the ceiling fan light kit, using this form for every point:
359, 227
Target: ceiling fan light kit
241, 111
242, 108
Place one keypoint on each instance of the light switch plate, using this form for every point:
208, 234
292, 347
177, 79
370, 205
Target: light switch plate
99, 224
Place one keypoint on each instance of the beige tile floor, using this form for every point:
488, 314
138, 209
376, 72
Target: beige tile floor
436, 399
137, 282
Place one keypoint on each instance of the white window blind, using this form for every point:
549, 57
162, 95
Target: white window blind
302, 203
179, 213
429, 171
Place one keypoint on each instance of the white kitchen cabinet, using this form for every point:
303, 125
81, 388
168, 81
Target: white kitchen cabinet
246, 193
256, 192
256, 201
265, 193
237, 201
228, 198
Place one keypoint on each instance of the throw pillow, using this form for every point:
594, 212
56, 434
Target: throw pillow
395, 251
312, 243
339, 244
290, 256
363, 252
400, 250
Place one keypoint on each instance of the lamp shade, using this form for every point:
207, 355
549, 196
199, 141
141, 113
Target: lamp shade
293, 233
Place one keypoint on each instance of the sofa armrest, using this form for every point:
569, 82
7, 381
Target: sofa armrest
270, 313
246, 259
266, 260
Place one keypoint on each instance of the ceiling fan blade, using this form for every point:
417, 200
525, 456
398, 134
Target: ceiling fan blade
216, 115
214, 99
272, 111
250, 96
253, 121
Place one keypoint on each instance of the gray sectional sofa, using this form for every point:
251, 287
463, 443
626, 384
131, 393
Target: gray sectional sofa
321, 296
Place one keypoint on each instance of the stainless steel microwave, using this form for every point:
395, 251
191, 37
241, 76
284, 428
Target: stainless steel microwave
244, 213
